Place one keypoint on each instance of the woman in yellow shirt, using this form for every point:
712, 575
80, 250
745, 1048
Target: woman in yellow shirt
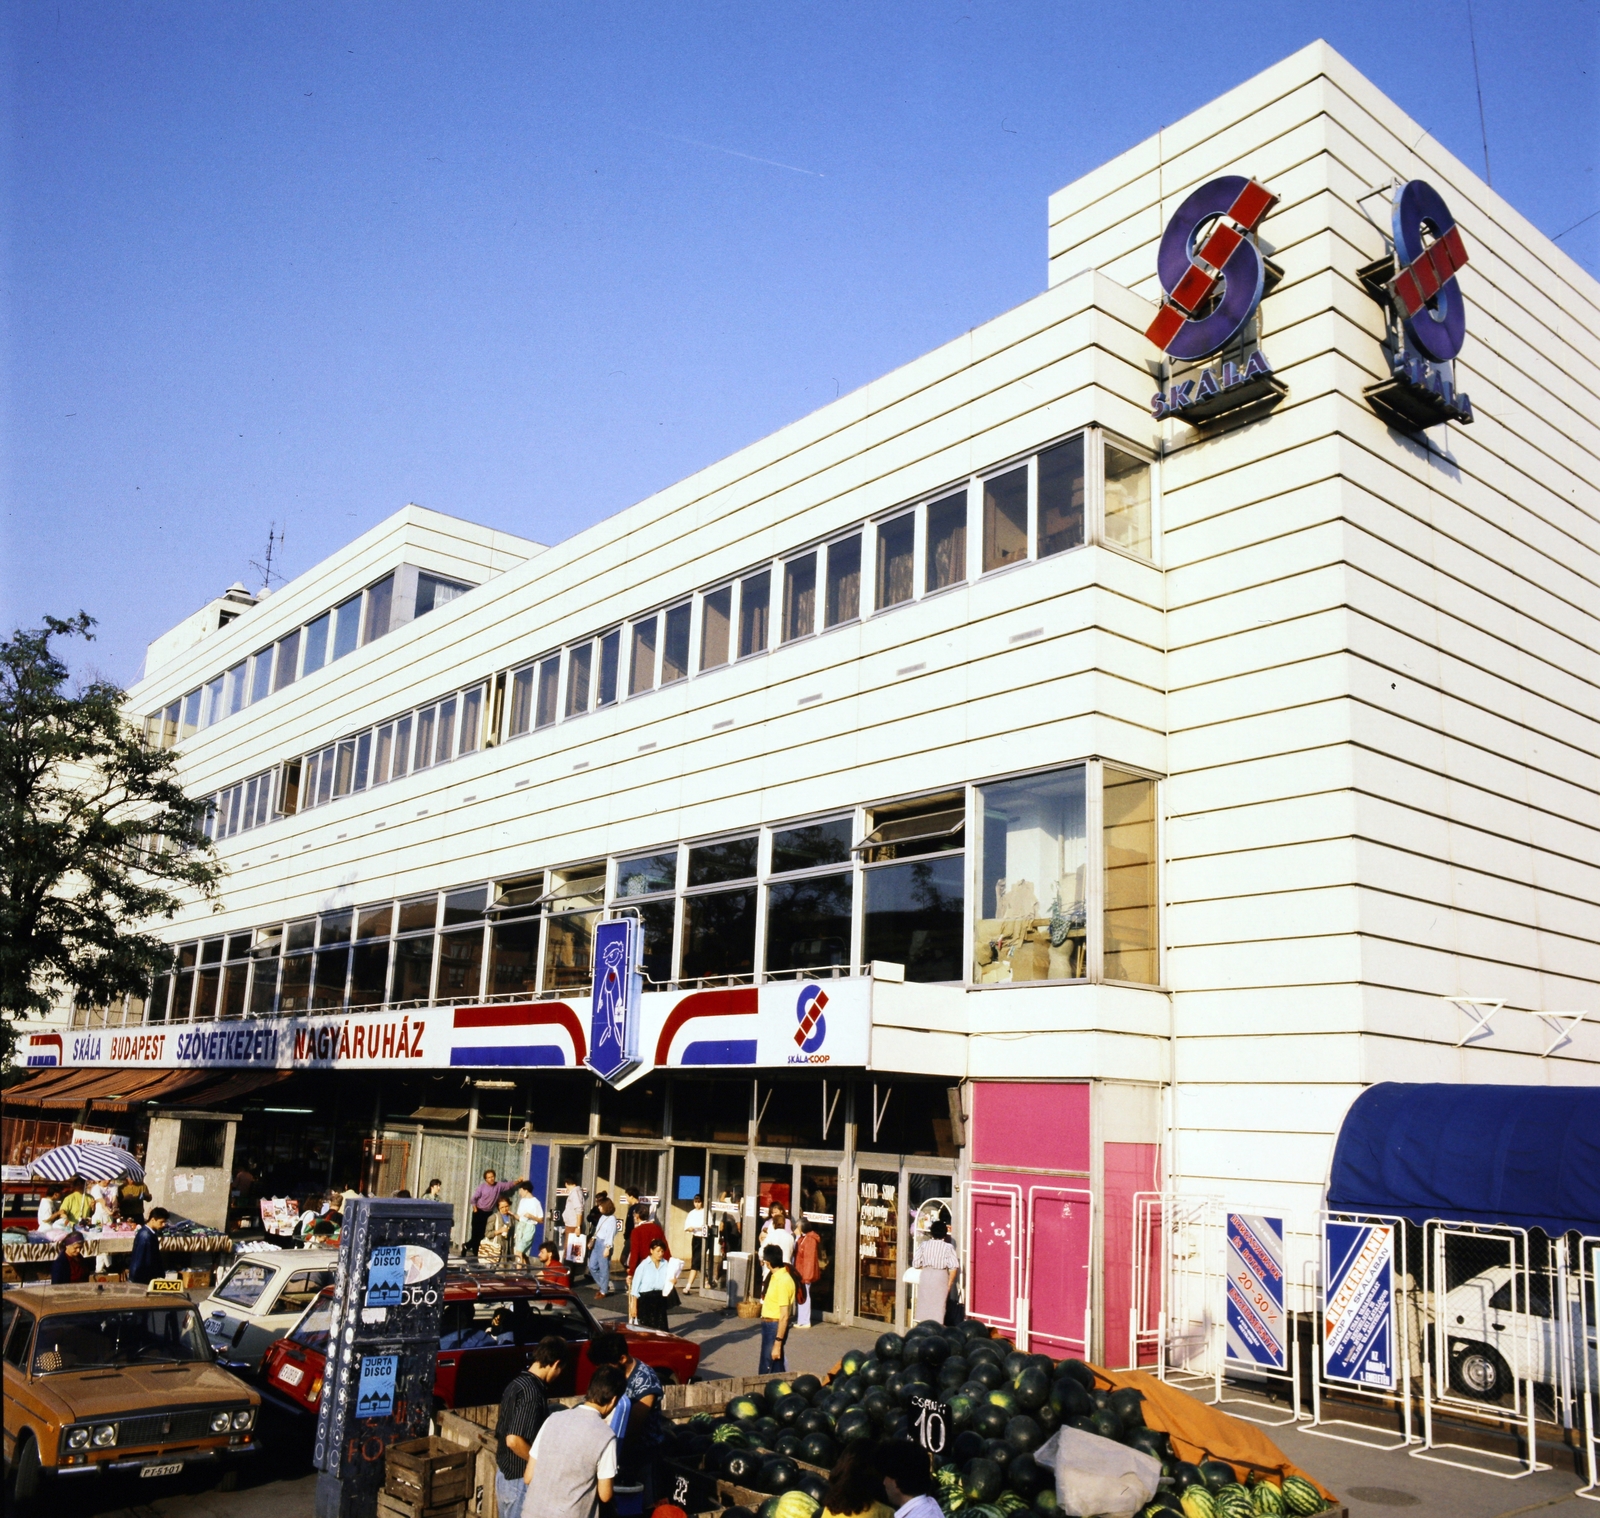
777, 1311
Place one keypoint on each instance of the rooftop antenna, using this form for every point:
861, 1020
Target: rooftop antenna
275, 536
1477, 79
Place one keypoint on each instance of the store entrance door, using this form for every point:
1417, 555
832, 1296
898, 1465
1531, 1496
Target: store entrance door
724, 1212
809, 1197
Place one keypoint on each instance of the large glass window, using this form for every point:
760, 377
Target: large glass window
369, 973
579, 660
1005, 518
573, 908
422, 756
461, 965
346, 627
1130, 924
521, 701
434, 591
896, 560
288, 665
947, 541
644, 886
610, 656
808, 925
810, 845
264, 972
317, 643
719, 936
1029, 922
380, 603
238, 687
471, 719
549, 684
755, 604
714, 863
402, 747
444, 746
842, 602
1127, 502
413, 970
716, 613
675, 646
294, 991
642, 657
260, 677
514, 938
914, 886
1061, 497
799, 597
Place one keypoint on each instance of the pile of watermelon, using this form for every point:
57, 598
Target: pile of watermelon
1003, 1406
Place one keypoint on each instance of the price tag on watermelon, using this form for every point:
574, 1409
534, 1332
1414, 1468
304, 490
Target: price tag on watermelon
930, 1419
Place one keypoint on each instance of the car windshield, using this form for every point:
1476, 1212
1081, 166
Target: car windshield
245, 1284
136, 1336
312, 1330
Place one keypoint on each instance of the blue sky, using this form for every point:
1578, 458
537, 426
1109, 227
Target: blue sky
528, 263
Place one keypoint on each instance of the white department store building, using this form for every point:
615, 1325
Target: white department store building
1183, 772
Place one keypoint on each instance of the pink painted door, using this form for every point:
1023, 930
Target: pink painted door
1060, 1223
1129, 1170
994, 1256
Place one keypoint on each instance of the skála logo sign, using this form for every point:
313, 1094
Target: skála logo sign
614, 1001
1417, 286
811, 1030
1213, 276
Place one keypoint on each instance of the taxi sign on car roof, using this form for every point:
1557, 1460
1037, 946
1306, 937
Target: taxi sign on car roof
160, 1284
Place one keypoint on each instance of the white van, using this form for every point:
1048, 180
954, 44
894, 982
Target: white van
261, 1298
1493, 1337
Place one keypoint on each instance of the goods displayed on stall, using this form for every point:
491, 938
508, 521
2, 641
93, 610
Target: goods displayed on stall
280, 1216
1013, 1434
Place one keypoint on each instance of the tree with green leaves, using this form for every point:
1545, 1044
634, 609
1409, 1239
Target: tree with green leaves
98, 842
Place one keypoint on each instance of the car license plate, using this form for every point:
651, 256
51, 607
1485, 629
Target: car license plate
291, 1375
162, 1470
214, 1324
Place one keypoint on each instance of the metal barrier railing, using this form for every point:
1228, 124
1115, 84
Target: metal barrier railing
1587, 1348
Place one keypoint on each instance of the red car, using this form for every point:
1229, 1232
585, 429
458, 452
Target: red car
488, 1328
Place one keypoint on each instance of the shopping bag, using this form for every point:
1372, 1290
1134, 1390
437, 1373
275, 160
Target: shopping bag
1098, 1476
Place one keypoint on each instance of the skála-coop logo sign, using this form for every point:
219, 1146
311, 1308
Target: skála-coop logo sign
1416, 285
811, 1029
1213, 276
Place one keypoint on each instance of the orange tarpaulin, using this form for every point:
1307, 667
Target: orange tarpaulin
1199, 1432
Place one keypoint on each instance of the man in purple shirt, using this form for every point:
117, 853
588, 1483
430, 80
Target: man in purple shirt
484, 1201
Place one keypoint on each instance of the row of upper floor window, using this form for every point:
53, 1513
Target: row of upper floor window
357, 620
1060, 882
1083, 489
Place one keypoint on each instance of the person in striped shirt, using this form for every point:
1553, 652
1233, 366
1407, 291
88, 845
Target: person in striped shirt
939, 1267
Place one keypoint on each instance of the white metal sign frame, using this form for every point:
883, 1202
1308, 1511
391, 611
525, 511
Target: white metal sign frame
1402, 1342
1588, 1257
1437, 1391
1070, 1196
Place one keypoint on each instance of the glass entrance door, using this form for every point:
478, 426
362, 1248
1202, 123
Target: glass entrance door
877, 1243
818, 1206
725, 1212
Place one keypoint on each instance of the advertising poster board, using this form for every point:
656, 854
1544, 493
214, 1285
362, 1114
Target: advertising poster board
383, 1342
1256, 1320
1358, 1312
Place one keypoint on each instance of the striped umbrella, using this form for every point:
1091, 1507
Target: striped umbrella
94, 1162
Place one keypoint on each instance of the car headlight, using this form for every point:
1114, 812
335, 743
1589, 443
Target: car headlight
77, 1438
221, 1422
105, 1435
244, 1417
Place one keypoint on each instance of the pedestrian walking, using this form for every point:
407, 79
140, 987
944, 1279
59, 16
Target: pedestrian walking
530, 1216
777, 1311
939, 1265
808, 1266
600, 1242
695, 1226
776, 1230
524, 1406
572, 1467
485, 1198
647, 1293
645, 1236
144, 1261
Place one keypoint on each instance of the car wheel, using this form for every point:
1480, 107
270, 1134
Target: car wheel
27, 1474
1477, 1371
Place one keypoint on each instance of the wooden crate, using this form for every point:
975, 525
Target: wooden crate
428, 1473
390, 1506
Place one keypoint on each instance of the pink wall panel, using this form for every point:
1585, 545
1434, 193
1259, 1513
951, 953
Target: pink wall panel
994, 1256
1060, 1218
1129, 1168
1042, 1125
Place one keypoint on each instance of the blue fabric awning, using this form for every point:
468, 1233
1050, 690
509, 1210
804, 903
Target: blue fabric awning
1523, 1155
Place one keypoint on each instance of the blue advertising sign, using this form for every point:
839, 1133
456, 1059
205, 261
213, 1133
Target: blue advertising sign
386, 1276
375, 1390
1358, 1310
614, 1002
1256, 1319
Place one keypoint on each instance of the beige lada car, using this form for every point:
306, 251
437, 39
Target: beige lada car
103, 1378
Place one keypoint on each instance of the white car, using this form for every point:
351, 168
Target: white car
261, 1298
1493, 1338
